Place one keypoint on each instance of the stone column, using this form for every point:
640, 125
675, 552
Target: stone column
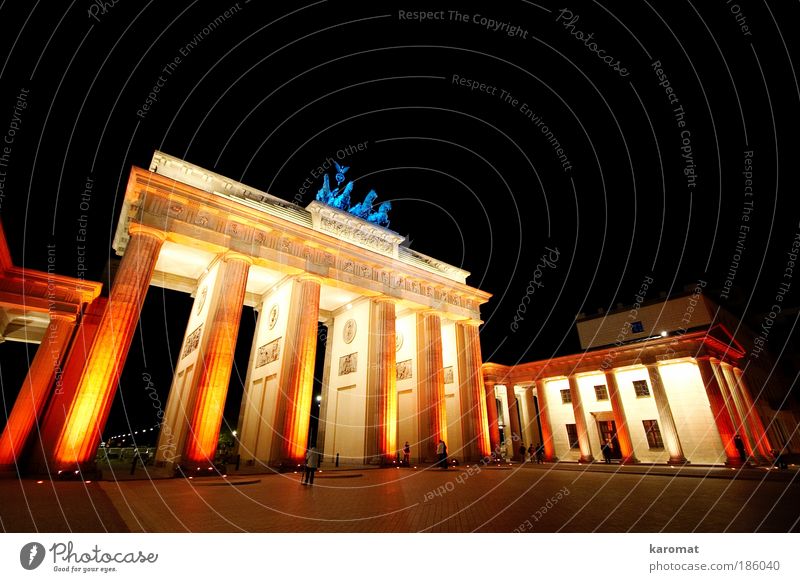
326, 396
220, 347
580, 421
544, 419
491, 417
514, 423
78, 439
741, 424
621, 422
381, 430
297, 374
432, 411
753, 416
45, 370
474, 413
666, 421
533, 426
722, 417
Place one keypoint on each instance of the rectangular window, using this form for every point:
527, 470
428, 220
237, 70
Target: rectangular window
572, 435
601, 392
637, 327
566, 397
641, 388
653, 434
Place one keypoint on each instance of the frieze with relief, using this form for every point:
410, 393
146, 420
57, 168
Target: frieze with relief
348, 364
268, 353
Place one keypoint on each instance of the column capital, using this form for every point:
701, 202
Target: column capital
237, 256
63, 316
308, 277
385, 299
136, 228
470, 322
429, 311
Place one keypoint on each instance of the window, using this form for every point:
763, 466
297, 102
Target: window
641, 388
566, 397
601, 392
653, 434
572, 435
637, 327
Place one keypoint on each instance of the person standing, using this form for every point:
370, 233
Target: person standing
607, 448
539, 453
532, 453
739, 444
522, 450
441, 452
407, 454
312, 463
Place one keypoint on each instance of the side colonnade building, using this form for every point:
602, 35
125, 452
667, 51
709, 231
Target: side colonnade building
666, 383
402, 360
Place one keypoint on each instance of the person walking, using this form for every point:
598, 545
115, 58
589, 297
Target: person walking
406, 455
441, 452
522, 450
312, 463
539, 454
532, 453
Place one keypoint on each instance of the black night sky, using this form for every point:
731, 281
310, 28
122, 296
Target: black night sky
658, 108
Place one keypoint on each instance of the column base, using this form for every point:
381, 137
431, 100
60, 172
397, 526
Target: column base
188, 469
552, 459
9, 472
735, 463
586, 459
678, 462
629, 461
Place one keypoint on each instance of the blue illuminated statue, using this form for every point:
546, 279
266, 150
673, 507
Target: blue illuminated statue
341, 200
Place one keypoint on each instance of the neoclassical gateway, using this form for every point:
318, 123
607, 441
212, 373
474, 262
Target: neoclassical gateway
402, 359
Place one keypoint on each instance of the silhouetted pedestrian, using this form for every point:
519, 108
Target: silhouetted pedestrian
739, 444
522, 450
312, 463
406, 454
539, 453
441, 452
607, 449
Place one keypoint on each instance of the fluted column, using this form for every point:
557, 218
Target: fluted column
433, 414
722, 417
220, 347
530, 405
580, 421
666, 423
45, 371
514, 423
753, 416
382, 383
620, 420
322, 424
491, 416
742, 425
474, 413
88, 412
544, 419
297, 373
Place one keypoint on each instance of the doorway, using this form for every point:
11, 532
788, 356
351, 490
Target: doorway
608, 429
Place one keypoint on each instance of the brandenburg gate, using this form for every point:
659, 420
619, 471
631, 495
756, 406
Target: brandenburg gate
402, 360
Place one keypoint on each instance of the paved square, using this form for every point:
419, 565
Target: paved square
540, 499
